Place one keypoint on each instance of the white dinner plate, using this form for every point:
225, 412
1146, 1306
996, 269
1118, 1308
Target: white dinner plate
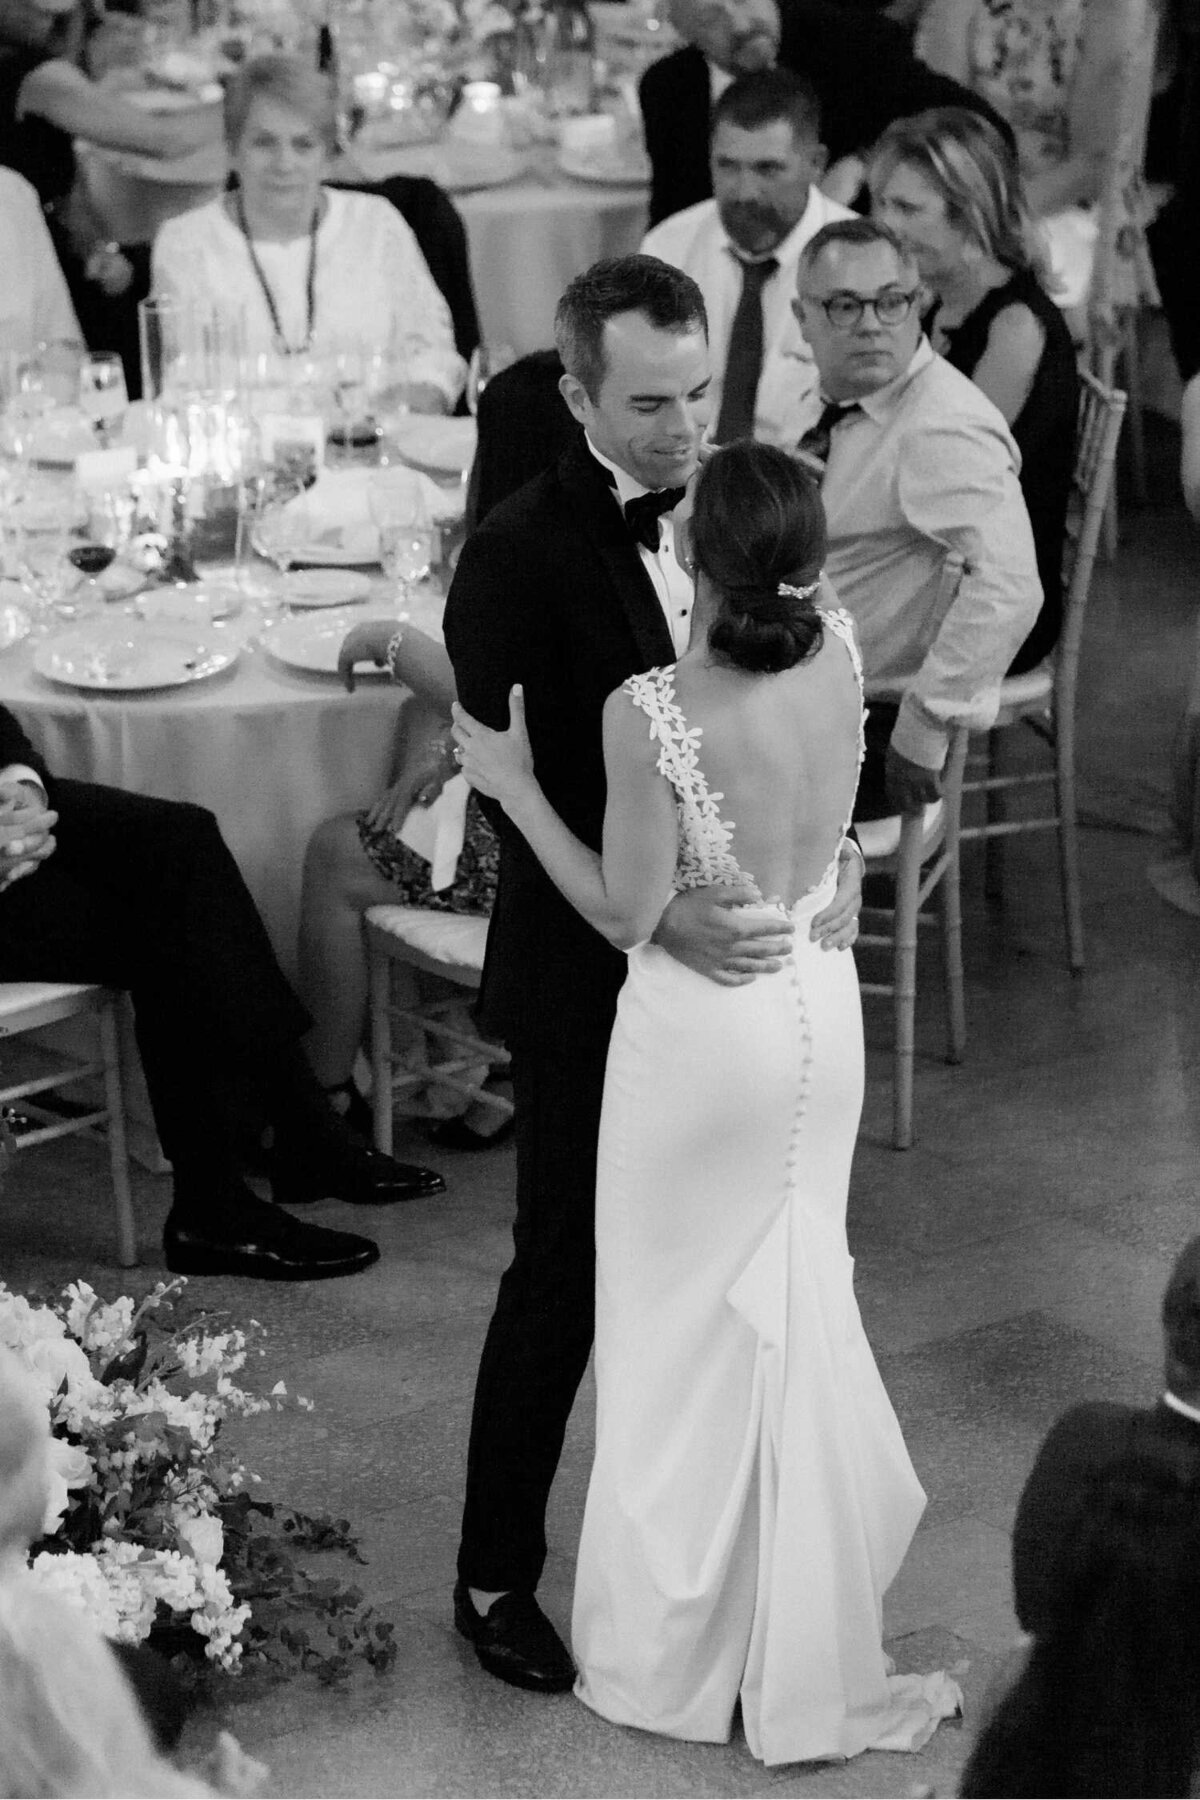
430, 441
311, 644
124, 657
190, 603
15, 623
308, 589
335, 550
607, 171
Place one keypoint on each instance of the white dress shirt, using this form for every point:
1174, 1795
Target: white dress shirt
672, 583
695, 241
17, 772
926, 469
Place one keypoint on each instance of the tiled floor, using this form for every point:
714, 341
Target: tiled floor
1009, 1264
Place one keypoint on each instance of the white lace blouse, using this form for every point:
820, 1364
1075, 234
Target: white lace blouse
373, 289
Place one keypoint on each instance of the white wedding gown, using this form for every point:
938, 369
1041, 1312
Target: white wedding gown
751, 1498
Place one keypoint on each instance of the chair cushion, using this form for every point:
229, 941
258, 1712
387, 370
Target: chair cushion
881, 837
452, 938
17, 997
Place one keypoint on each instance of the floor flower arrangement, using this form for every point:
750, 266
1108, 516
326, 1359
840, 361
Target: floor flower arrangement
152, 1528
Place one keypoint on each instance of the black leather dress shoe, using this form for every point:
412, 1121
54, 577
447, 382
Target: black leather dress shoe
515, 1641
350, 1171
265, 1249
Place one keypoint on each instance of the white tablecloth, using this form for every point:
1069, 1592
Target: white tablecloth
526, 239
529, 240
271, 753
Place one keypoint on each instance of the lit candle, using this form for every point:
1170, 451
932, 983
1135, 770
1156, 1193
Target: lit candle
371, 90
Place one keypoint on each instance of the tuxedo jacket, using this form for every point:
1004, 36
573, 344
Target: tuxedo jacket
861, 64
15, 747
1085, 1442
550, 591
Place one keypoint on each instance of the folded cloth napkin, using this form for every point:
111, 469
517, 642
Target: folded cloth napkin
430, 441
436, 832
338, 511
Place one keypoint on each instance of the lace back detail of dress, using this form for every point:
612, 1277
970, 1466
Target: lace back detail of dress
705, 856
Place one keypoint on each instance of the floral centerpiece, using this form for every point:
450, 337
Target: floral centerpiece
151, 1527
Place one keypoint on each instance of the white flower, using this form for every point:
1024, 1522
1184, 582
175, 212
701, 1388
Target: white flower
99, 1589
22, 1324
59, 1362
68, 1467
200, 1532
102, 1328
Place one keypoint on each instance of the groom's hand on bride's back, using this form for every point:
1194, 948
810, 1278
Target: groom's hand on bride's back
711, 931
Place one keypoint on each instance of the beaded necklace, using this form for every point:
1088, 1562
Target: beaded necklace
281, 344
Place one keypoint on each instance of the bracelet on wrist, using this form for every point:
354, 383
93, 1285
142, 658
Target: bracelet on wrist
393, 651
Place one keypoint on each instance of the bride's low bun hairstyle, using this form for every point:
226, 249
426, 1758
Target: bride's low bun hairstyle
758, 530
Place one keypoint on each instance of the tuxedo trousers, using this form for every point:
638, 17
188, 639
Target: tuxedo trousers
540, 1336
144, 895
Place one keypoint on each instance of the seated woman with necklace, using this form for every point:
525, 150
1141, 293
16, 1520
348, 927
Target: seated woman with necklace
314, 271
949, 186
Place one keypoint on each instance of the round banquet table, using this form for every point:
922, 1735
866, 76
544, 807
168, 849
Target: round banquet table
270, 752
529, 239
526, 239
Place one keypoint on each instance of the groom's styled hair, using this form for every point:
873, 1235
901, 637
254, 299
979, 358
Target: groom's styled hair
665, 296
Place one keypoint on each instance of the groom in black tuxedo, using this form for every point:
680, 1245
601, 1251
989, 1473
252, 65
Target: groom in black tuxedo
1090, 1439
570, 586
137, 893
860, 64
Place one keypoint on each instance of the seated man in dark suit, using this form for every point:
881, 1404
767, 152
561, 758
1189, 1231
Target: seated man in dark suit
1092, 1438
860, 64
100, 885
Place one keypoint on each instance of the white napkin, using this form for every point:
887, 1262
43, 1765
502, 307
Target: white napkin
436, 832
431, 441
338, 510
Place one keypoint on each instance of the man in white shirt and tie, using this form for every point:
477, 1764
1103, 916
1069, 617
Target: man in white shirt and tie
742, 248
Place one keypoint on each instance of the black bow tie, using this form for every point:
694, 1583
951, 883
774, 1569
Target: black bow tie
643, 513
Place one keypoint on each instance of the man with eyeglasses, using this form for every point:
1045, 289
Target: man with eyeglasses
917, 467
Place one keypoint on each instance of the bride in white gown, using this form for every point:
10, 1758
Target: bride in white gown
751, 1498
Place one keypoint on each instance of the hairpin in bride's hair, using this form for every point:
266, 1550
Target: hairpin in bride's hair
800, 593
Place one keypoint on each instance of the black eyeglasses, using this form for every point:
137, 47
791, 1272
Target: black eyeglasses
891, 306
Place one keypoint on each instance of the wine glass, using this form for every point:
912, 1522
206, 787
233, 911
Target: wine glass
110, 526
486, 360
406, 536
103, 396
281, 527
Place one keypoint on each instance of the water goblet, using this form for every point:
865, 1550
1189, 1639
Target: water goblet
50, 580
281, 528
406, 537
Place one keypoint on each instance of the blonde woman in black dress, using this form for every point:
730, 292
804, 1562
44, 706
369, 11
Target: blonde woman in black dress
949, 186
